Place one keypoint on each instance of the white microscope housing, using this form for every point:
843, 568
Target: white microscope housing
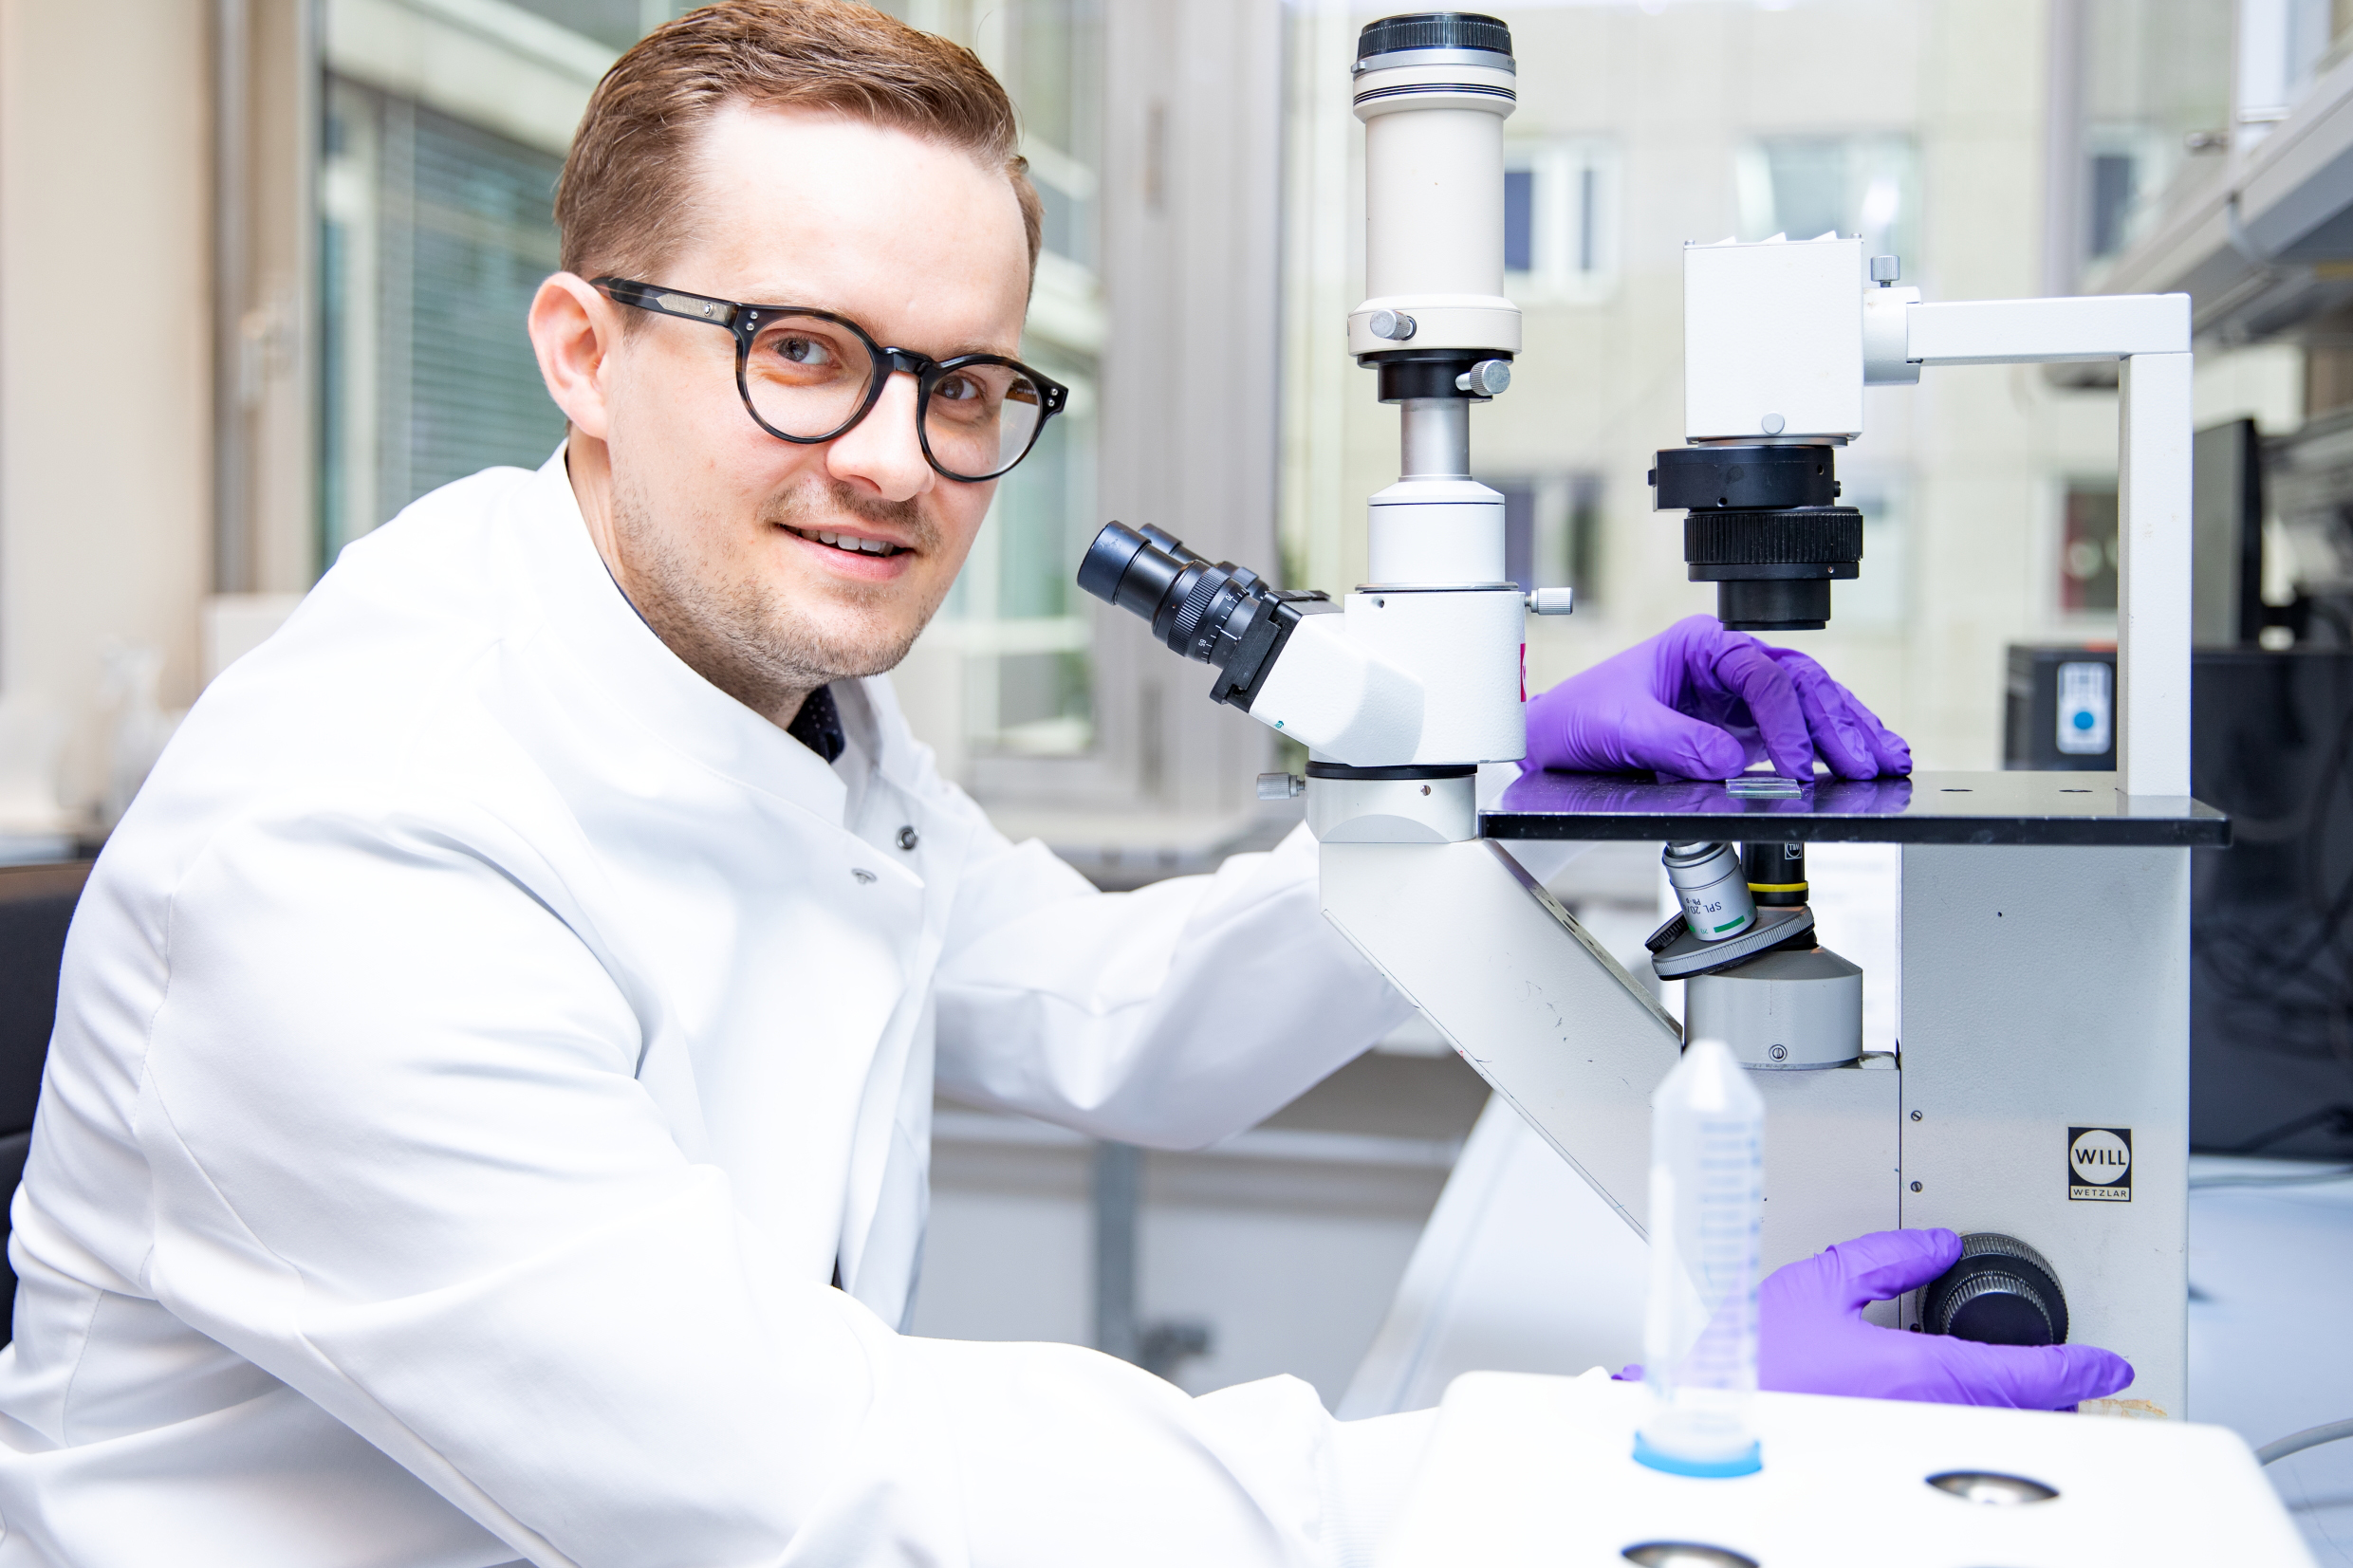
1418, 677
2031, 1019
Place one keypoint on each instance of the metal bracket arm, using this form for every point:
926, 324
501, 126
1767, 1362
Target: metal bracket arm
1552, 1022
2002, 332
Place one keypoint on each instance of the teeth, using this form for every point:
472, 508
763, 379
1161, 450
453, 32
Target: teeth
848, 541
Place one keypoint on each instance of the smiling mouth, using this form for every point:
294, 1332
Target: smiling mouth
850, 542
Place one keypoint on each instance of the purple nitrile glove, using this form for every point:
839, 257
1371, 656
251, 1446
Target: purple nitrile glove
1702, 702
1811, 1338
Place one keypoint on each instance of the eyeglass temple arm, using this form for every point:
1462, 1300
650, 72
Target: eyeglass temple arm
669, 302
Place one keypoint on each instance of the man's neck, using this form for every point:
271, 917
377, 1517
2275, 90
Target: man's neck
590, 469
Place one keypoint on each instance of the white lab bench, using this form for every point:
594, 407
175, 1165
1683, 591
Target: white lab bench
1532, 1470
1522, 1267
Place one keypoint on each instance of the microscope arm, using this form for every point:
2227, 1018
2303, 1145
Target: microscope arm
1572, 1040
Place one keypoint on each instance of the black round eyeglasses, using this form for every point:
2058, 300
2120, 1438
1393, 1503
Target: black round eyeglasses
807, 376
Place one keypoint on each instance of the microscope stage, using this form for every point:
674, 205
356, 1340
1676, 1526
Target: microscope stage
1926, 808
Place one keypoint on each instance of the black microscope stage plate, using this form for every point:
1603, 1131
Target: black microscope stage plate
1926, 808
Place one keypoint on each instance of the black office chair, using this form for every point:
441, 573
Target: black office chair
36, 905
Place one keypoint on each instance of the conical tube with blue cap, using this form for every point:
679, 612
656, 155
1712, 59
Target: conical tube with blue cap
1706, 1213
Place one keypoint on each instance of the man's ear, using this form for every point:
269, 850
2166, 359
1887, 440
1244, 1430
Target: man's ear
574, 330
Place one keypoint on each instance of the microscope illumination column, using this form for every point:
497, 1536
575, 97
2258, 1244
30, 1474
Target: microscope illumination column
1432, 91
1422, 675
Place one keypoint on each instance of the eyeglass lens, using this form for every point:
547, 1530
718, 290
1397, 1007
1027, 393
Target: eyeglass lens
807, 376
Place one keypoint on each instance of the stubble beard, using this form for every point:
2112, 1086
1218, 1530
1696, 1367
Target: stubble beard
740, 630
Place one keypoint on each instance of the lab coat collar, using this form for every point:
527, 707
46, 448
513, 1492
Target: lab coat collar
650, 686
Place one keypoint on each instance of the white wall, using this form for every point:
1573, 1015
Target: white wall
105, 363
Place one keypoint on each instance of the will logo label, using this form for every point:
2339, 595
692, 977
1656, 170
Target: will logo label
2099, 1164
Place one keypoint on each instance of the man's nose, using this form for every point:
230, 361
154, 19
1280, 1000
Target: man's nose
882, 448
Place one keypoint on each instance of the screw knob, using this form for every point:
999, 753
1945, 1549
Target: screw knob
1486, 379
1394, 325
2001, 1292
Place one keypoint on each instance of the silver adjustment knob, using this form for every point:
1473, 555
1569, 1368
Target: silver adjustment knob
1484, 379
1886, 270
1280, 786
1394, 325
1553, 602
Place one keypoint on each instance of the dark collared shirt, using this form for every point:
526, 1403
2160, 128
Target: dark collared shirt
818, 725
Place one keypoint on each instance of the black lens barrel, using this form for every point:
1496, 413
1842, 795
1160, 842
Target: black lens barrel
1215, 612
1151, 573
1761, 523
1776, 873
1129, 568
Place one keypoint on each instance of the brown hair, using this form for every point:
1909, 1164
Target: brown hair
626, 193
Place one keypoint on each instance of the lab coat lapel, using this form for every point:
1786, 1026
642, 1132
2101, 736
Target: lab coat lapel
784, 954
887, 1201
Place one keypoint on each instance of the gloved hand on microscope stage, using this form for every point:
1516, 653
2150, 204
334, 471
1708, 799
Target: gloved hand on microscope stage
1702, 702
1811, 1336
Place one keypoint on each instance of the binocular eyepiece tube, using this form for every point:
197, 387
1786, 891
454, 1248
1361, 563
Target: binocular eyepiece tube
1213, 612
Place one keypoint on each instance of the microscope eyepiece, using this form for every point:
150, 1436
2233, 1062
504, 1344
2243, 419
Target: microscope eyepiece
1125, 567
1215, 612
1434, 30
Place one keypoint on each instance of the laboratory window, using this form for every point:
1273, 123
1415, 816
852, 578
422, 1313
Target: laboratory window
1560, 220
1802, 187
2112, 191
615, 24
2086, 563
1008, 670
1880, 597
2152, 106
435, 234
1552, 531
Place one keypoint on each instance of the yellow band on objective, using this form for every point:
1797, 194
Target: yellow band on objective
1776, 887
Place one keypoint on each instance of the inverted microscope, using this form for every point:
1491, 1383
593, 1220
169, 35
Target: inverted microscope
2037, 1098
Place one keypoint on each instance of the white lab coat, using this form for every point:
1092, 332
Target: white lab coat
481, 1042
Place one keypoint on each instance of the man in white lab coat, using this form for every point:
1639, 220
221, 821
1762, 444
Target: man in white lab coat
488, 1112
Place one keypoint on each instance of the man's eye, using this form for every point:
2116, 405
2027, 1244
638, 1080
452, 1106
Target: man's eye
803, 351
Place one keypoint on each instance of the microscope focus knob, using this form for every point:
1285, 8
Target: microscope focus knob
2001, 1292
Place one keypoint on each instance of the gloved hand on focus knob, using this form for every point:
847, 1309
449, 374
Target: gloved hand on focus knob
1702, 702
1811, 1336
